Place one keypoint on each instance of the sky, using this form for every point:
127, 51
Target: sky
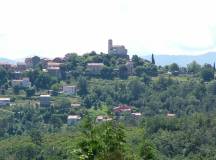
51, 28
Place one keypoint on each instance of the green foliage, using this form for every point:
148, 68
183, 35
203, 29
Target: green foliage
3, 76
123, 72
30, 92
152, 59
193, 67
102, 142
83, 86
16, 90
28, 131
207, 74
173, 67
107, 73
36, 137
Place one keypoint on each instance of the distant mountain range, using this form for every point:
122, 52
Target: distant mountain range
5, 60
183, 60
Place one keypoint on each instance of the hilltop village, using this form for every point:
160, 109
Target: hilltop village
102, 105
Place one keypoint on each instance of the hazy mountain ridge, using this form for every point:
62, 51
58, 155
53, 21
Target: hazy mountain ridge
6, 60
183, 60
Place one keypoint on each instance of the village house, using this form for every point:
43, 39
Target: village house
25, 82
4, 101
73, 119
44, 100
136, 115
170, 115
75, 105
103, 118
54, 71
122, 108
69, 90
95, 68
53, 64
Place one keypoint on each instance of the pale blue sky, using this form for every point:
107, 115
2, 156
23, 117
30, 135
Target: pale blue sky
52, 28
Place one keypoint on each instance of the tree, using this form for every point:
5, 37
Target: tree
36, 137
148, 151
173, 67
153, 60
106, 72
123, 72
63, 105
151, 69
207, 74
103, 142
136, 88
83, 86
30, 92
145, 78
137, 61
3, 76
35, 61
55, 87
56, 121
214, 66
193, 67
140, 70
44, 81
16, 89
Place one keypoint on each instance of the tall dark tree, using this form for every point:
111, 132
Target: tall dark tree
83, 86
207, 74
3, 76
123, 72
214, 66
106, 73
152, 58
35, 61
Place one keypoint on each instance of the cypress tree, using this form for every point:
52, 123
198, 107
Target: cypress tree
153, 60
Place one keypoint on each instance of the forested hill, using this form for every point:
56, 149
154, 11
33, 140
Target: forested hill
107, 107
183, 60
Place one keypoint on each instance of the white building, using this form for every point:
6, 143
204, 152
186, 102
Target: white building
73, 119
171, 115
136, 114
53, 64
4, 101
75, 105
69, 90
103, 118
25, 82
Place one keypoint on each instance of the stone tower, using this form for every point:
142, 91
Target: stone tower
110, 45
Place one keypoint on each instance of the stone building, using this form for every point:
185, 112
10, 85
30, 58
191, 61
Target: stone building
116, 49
